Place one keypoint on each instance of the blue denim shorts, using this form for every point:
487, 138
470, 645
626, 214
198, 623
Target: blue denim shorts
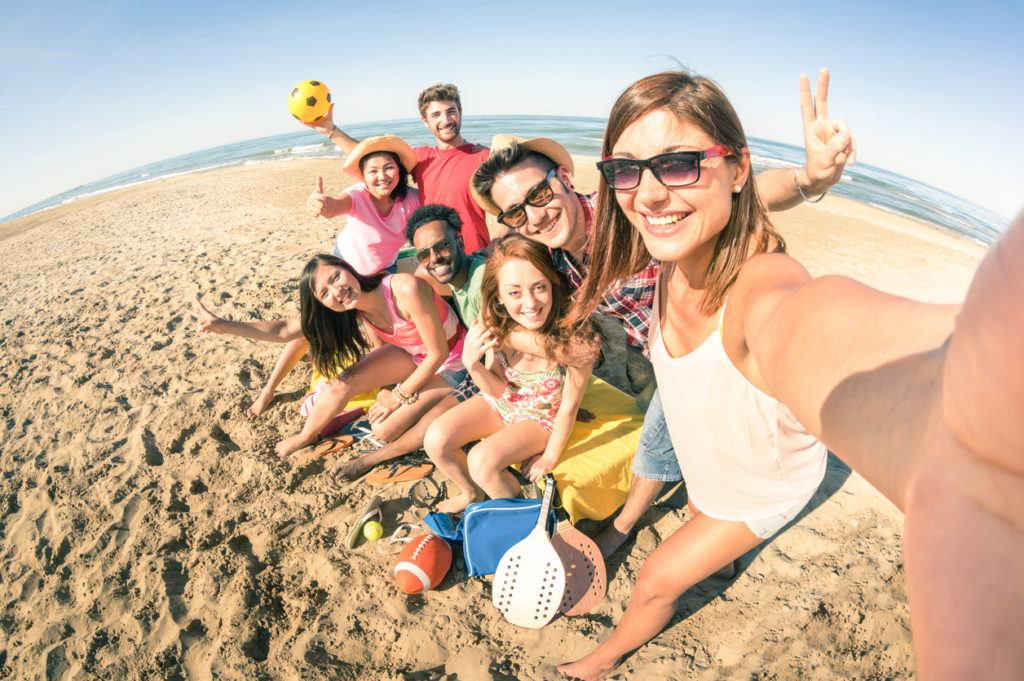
655, 459
453, 378
463, 391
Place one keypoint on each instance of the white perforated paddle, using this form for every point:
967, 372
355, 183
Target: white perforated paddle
530, 580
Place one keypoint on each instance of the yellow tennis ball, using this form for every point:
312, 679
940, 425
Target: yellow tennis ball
373, 531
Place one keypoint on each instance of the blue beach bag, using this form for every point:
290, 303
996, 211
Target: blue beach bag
488, 529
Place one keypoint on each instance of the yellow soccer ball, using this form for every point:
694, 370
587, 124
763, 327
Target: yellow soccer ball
309, 101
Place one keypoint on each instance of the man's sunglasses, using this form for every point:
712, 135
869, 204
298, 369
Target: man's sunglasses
538, 197
674, 169
442, 249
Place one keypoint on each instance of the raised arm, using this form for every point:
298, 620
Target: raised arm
326, 126
830, 148
320, 205
489, 377
273, 331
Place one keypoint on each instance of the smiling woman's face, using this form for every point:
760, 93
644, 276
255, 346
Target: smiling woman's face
676, 222
380, 173
525, 292
335, 287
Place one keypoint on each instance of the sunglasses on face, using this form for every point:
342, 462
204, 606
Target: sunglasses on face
441, 249
538, 197
674, 169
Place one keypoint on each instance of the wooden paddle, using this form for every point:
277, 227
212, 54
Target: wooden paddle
530, 580
586, 579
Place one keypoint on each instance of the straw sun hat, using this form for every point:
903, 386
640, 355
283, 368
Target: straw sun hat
370, 145
542, 145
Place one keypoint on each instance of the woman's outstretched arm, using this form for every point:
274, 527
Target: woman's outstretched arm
273, 331
925, 402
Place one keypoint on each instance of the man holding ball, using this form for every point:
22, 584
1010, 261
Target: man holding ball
442, 172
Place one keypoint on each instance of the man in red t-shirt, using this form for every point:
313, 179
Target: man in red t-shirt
442, 173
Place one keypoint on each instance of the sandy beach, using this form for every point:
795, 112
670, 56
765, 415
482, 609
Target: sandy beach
149, 532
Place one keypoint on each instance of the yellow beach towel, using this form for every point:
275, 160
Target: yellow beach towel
595, 470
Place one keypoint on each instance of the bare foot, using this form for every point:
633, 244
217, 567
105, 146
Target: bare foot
291, 444
458, 504
610, 540
259, 406
352, 469
587, 669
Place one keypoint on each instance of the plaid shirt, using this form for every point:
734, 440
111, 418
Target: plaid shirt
631, 300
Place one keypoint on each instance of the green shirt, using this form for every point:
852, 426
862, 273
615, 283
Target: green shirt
468, 298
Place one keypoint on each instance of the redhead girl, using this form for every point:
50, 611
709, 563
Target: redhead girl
420, 356
377, 209
759, 364
527, 402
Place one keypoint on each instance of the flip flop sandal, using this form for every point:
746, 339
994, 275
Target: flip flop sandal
401, 536
421, 495
401, 472
368, 444
371, 510
322, 449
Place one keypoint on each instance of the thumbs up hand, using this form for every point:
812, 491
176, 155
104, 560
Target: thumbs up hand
315, 202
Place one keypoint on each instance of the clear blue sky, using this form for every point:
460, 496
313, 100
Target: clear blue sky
934, 91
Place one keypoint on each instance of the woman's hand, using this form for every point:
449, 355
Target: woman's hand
383, 407
319, 204
206, 321
478, 341
537, 467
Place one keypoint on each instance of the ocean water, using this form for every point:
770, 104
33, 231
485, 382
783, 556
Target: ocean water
862, 182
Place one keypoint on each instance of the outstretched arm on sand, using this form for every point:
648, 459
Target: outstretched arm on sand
274, 331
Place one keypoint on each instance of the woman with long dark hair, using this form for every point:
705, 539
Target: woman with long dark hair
420, 356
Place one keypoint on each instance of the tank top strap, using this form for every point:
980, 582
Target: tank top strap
389, 299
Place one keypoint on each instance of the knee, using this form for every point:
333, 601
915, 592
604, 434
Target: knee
652, 588
437, 442
384, 431
481, 469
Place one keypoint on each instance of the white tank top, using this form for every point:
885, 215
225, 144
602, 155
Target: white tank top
743, 454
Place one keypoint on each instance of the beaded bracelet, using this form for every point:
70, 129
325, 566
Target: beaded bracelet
796, 179
404, 397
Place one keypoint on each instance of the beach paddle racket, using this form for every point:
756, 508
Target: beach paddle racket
586, 579
530, 580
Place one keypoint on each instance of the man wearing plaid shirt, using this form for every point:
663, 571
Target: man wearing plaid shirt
528, 184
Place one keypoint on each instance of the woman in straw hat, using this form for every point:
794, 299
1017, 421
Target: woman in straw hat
377, 209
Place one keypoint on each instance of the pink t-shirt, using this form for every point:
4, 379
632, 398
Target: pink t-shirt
443, 177
369, 241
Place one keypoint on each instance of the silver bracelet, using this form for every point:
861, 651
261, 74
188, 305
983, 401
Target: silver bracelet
796, 179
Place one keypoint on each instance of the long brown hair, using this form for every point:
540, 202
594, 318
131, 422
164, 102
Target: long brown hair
555, 335
335, 338
617, 249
